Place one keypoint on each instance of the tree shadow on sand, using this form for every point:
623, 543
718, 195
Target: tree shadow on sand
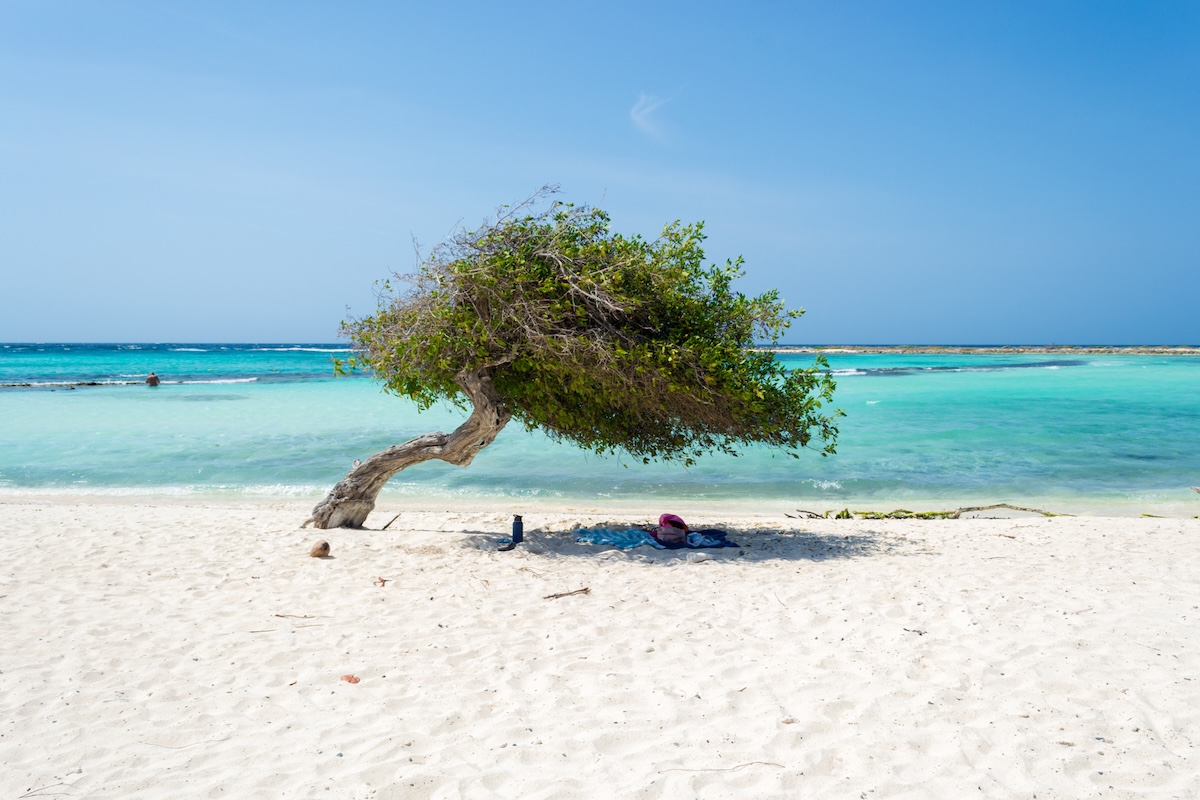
753, 545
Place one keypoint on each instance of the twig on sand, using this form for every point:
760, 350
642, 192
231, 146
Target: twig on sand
393, 519
185, 746
721, 769
272, 630
556, 595
34, 792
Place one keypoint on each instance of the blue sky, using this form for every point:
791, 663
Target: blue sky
908, 172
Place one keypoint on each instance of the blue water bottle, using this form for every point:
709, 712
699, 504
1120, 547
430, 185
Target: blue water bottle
518, 529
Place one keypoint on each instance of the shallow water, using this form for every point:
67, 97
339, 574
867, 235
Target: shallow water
1101, 433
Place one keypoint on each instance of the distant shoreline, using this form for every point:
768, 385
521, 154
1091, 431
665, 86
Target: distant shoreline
991, 350
879, 349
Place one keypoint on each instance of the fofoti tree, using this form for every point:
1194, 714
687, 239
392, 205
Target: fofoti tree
612, 343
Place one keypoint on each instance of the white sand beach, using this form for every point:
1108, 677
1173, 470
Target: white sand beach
164, 649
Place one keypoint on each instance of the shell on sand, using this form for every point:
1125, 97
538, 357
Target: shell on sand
320, 549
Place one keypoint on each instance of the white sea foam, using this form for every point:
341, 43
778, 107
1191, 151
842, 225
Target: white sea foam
872, 402
98, 491
49, 384
301, 349
399, 489
847, 372
277, 490
81, 488
188, 350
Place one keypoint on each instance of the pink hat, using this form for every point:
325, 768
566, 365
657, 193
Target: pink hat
673, 521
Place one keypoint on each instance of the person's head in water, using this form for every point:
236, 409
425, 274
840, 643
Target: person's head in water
152, 380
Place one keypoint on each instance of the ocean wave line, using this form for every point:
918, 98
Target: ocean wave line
72, 384
301, 349
917, 370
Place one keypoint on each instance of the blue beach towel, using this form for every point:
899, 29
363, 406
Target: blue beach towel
622, 540
634, 537
709, 537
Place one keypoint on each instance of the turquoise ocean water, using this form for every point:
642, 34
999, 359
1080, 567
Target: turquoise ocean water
1110, 434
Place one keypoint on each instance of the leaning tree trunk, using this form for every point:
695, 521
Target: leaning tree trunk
348, 504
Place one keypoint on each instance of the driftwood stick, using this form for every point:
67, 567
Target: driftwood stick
721, 769
34, 792
962, 511
555, 596
393, 519
903, 513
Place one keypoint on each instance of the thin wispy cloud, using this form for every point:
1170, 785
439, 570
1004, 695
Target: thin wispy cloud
643, 117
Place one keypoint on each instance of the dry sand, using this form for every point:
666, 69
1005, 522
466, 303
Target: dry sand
192, 651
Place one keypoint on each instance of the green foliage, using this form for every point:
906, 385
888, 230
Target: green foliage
901, 513
607, 341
